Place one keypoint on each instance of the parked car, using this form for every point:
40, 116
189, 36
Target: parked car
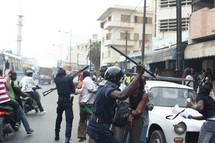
164, 125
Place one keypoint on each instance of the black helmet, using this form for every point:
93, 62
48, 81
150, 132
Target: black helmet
114, 74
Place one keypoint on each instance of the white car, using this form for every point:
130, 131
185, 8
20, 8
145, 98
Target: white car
164, 126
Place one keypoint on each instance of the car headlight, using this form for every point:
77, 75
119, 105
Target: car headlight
180, 128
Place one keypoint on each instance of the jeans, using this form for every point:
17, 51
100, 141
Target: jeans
207, 132
67, 107
19, 114
36, 97
100, 132
143, 134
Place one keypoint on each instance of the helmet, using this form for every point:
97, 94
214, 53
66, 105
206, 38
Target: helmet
29, 72
114, 74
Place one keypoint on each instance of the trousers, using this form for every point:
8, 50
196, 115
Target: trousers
67, 107
100, 132
207, 132
19, 113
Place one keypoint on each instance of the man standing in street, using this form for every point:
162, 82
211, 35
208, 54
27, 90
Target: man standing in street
65, 87
86, 101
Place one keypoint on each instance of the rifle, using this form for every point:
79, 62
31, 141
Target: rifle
74, 75
127, 57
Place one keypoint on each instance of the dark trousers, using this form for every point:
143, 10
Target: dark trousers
36, 97
135, 131
100, 132
67, 107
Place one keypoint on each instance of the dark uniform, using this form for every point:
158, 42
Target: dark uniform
65, 87
104, 109
103, 112
105, 104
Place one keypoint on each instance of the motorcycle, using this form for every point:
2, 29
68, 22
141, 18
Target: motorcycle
8, 125
28, 103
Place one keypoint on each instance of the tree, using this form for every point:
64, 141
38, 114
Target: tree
94, 54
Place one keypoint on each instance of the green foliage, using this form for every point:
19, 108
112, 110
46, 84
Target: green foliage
95, 53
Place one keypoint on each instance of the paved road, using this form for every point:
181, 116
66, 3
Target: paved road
43, 124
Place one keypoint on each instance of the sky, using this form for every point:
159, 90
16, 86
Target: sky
48, 24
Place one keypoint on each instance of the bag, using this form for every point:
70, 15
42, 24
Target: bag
122, 112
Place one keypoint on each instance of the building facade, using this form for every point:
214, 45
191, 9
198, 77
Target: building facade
122, 28
201, 46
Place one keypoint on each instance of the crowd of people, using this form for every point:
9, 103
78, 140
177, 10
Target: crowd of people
99, 97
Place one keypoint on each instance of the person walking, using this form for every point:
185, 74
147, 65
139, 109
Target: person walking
65, 87
105, 103
5, 100
26, 84
205, 105
86, 101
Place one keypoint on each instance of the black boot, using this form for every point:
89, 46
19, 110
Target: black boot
67, 140
57, 137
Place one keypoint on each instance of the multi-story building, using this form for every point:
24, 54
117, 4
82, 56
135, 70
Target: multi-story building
122, 28
201, 47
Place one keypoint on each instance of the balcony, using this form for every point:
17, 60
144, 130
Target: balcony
118, 42
111, 24
202, 25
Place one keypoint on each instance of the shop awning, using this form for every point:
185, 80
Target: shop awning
161, 55
203, 49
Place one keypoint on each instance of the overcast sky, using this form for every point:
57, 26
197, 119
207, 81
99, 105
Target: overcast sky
43, 19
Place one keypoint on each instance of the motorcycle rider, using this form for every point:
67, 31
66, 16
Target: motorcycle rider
5, 100
26, 84
15, 91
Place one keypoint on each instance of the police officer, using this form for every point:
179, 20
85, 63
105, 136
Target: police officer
105, 103
65, 87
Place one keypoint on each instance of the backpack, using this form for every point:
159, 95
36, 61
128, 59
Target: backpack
122, 112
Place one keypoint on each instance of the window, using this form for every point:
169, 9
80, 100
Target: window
136, 36
123, 36
148, 20
138, 19
166, 25
125, 18
108, 36
109, 18
172, 3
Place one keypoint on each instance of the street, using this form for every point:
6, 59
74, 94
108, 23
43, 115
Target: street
44, 124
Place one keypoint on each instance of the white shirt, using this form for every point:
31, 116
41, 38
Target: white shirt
27, 83
86, 96
189, 77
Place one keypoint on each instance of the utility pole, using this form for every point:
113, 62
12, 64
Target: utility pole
70, 50
143, 32
179, 37
90, 55
126, 48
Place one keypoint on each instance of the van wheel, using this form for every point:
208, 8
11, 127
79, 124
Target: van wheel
157, 136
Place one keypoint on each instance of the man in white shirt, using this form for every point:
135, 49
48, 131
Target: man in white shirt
26, 84
87, 100
189, 77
